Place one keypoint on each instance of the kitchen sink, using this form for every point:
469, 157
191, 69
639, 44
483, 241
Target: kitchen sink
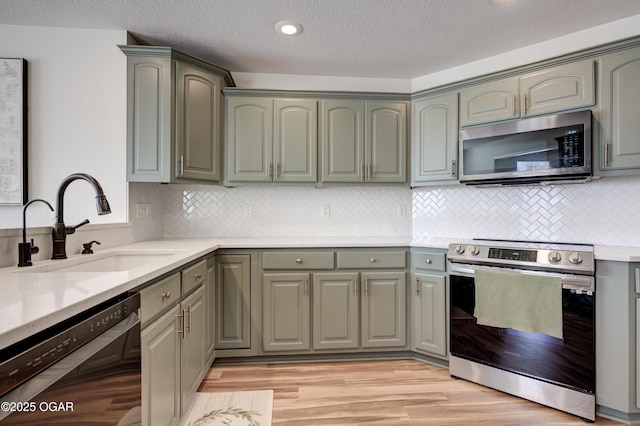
103, 262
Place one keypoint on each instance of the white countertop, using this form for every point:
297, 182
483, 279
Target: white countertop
33, 301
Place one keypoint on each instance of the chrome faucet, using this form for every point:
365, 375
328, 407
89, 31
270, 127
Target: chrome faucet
60, 230
25, 249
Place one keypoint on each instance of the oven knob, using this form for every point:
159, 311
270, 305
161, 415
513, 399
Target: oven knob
554, 256
474, 250
575, 258
459, 249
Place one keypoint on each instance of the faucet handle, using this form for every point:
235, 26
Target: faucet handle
71, 229
87, 247
33, 248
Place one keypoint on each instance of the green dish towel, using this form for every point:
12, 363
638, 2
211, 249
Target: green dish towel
520, 301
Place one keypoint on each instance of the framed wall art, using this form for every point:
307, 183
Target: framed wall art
13, 131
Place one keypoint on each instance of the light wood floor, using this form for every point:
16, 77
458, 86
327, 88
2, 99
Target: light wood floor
390, 392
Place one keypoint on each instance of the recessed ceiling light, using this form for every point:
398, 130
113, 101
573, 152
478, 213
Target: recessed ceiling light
288, 28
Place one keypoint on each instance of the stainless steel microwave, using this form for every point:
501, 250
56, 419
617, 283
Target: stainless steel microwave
553, 148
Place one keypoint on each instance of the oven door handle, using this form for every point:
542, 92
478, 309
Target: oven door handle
43, 380
572, 282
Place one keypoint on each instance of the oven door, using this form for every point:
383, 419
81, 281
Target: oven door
97, 384
568, 362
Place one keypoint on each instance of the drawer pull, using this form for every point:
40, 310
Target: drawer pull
166, 295
372, 260
428, 261
298, 260
198, 276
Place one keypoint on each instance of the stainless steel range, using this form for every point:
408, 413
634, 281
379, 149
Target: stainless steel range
523, 320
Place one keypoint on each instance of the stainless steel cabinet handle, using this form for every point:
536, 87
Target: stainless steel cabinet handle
428, 261
372, 260
269, 171
166, 295
525, 104
362, 177
197, 276
515, 104
453, 168
369, 171
606, 155
187, 327
417, 287
298, 260
277, 175
306, 286
181, 316
182, 164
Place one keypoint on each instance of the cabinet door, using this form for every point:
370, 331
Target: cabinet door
342, 140
429, 314
233, 301
435, 139
386, 142
295, 131
161, 370
249, 139
210, 309
149, 119
485, 103
619, 106
198, 123
384, 318
285, 307
335, 311
192, 348
560, 88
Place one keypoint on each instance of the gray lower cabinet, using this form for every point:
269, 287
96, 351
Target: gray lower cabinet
429, 302
285, 308
161, 370
173, 340
384, 313
174, 115
233, 301
210, 316
617, 314
434, 140
336, 314
309, 303
619, 102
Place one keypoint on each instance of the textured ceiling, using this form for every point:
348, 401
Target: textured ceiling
365, 38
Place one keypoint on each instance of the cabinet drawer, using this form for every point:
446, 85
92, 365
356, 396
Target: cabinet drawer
159, 296
298, 260
429, 260
372, 259
193, 276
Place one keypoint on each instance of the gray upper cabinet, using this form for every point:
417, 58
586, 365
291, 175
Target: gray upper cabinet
174, 109
619, 96
434, 139
563, 87
363, 141
271, 140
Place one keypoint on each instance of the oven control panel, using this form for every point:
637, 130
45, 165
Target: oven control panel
513, 254
528, 255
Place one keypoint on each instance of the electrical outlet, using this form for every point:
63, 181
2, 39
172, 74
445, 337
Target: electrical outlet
248, 210
141, 210
402, 211
147, 209
325, 210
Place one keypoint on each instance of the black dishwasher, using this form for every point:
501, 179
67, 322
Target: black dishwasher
85, 370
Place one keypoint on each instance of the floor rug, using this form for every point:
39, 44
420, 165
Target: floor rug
251, 408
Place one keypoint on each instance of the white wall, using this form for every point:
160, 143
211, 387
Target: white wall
76, 120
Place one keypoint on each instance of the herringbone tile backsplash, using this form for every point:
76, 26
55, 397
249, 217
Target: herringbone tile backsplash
605, 211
